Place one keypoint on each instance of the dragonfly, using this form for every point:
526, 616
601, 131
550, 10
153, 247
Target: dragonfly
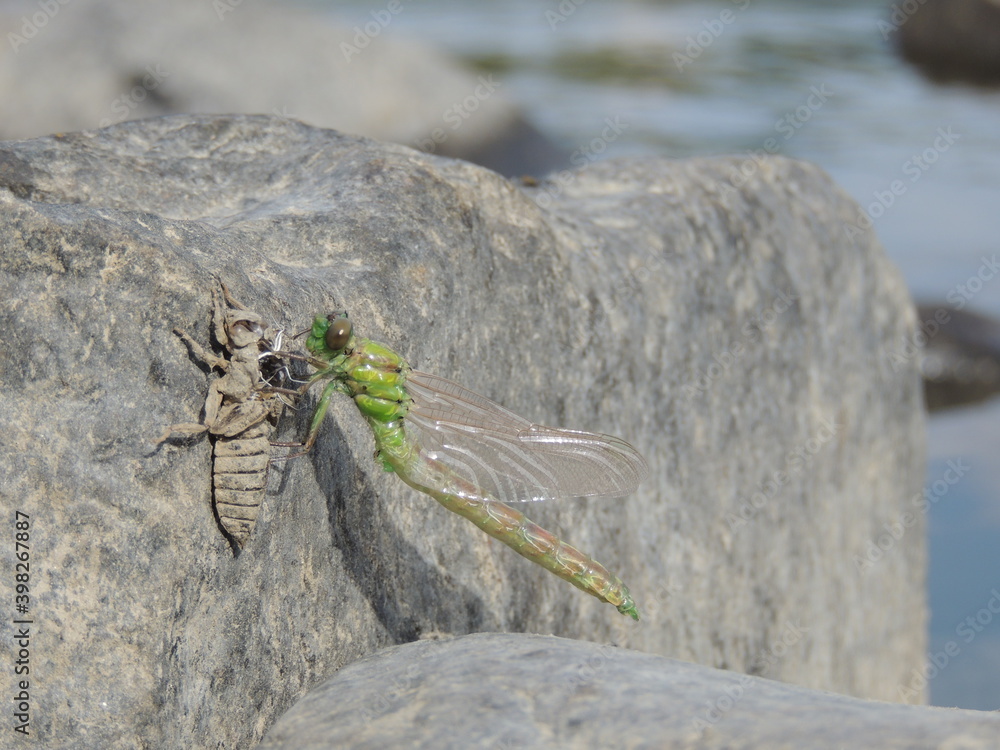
472, 455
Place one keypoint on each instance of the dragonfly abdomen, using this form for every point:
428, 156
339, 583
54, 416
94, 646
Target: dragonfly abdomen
530, 540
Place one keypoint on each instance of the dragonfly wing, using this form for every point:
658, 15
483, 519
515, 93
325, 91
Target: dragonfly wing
509, 458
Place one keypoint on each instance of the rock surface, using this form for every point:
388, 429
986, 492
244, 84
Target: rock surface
498, 690
93, 64
721, 320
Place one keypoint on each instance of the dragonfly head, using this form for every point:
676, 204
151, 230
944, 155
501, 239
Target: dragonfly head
330, 334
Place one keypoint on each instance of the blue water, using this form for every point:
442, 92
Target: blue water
822, 81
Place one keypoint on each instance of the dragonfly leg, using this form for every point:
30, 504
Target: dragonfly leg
317, 420
318, 363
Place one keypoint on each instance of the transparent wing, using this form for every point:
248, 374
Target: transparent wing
508, 457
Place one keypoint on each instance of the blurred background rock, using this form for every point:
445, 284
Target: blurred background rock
951, 40
80, 65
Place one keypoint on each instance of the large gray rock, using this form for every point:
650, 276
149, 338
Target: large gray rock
725, 323
521, 691
71, 66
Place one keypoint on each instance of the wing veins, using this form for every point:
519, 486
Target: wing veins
516, 459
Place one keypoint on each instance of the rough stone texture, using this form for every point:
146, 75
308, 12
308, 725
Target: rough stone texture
950, 39
497, 690
620, 298
97, 63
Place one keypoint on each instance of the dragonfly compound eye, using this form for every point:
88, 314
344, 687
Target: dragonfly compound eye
338, 334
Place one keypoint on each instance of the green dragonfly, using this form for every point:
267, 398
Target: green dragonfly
472, 455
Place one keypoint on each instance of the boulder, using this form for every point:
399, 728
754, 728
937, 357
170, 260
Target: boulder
726, 316
502, 690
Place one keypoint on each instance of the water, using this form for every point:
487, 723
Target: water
822, 80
